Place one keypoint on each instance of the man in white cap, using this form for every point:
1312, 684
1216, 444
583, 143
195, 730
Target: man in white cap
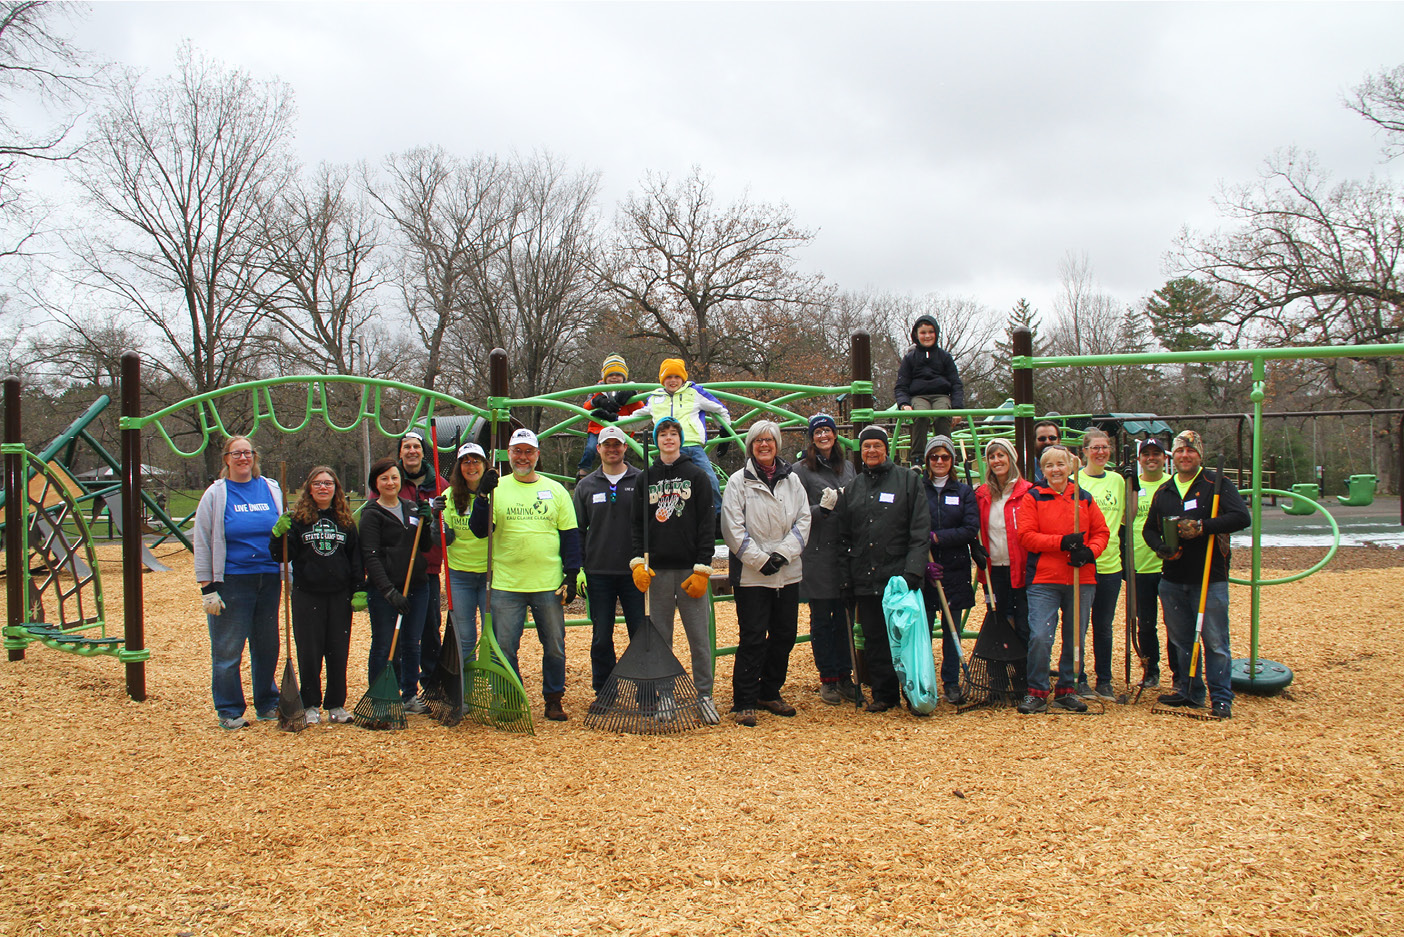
536, 556
604, 500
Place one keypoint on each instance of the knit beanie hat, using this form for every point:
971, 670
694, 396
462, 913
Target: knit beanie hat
874, 433
1003, 444
667, 422
942, 441
672, 366
763, 428
614, 365
821, 420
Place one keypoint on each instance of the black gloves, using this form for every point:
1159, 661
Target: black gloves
618, 400
723, 448
979, 555
1070, 541
1080, 556
914, 580
773, 565
569, 587
425, 509
450, 535
397, 599
488, 482
604, 415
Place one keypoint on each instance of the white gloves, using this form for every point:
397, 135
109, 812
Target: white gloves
828, 499
212, 603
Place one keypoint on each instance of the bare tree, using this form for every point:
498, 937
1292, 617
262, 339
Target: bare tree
1380, 100
968, 332
451, 217
184, 171
37, 61
679, 262
321, 241
1086, 321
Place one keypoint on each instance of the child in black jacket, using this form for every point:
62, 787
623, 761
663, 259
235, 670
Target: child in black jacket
928, 379
328, 582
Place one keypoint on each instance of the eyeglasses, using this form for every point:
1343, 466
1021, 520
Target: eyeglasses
240, 454
324, 485
1047, 439
1099, 449
940, 457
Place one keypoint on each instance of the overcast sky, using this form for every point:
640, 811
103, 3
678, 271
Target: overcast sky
958, 148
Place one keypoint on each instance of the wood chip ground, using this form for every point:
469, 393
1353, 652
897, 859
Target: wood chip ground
146, 818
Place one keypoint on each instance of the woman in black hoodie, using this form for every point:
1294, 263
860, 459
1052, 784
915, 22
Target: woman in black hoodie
387, 533
327, 585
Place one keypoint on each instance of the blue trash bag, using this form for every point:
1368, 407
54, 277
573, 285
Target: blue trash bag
910, 637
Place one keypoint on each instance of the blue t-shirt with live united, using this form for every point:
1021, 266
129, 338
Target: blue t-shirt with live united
249, 514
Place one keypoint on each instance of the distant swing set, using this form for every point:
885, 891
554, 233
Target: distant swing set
54, 586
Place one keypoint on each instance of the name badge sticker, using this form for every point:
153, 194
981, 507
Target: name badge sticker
887, 498
952, 499
598, 498
413, 520
1191, 504
544, 495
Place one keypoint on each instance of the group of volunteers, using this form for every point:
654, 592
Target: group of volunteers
820, 530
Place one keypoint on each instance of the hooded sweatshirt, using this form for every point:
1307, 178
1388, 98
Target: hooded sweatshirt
681, 518
926, 372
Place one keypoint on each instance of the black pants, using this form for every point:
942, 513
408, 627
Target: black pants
768, 620
1012, 603
1147, 621
322, 627
877, 651
431, 646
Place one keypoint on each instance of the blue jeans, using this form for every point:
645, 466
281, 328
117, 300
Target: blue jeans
587, 459
698, 454
828, 639
383, 616
950, 654
509, 611
469, 592
605, 589
250, 615
1104, 598
1045, 601
1181, 602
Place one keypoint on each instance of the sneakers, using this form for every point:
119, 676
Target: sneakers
707, 711
1223, 710
954, 694
1177, 699
233, 723
314, 715
1152, 679
778, 706
1105, 692
1085, 690
830, 694
849, 691
1070, 702
744, 717
1033, 704
266, 715
879, 706
415, 705
339, 715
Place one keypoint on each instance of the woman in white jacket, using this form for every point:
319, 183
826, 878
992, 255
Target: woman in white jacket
765, 522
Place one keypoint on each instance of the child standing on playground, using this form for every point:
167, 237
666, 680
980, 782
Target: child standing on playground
687, 403
239, 582
327, 584
928, 379
607, 406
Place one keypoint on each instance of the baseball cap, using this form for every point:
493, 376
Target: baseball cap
1150, 443
524, 437
472, 449
613, 433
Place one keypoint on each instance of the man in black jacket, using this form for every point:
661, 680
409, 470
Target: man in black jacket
604, 503
928, 379
1187, 500
884, 529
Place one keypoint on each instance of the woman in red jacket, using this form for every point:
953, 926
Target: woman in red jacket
1055, 546
998, 499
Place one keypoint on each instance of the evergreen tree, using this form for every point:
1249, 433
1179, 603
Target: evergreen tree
1020, 314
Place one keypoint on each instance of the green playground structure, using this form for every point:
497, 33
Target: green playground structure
1304, 499
788, 404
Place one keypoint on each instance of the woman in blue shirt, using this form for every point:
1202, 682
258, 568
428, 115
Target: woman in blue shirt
239, 582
